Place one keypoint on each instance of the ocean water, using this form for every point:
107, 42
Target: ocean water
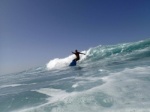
113, 78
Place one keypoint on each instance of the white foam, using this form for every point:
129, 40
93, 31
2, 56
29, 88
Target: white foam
127, 85
11, 85
75, 85
55, 95
15, 85
119, 89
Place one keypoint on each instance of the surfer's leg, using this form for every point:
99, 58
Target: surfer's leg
77, 59
74, 60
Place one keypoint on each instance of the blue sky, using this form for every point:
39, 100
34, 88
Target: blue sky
32, 32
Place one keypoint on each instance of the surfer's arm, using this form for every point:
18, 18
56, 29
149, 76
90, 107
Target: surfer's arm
82, 53
73, 53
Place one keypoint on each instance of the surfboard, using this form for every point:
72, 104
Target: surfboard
73, 63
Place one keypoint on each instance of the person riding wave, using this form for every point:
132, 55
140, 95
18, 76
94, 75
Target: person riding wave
77, 55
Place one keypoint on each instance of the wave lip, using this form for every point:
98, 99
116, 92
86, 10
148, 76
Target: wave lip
58, 63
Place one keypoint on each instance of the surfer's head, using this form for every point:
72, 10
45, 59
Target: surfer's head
76, 50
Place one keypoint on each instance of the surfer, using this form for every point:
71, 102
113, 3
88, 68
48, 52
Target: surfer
77, 55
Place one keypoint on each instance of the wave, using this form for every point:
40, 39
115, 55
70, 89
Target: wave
108, 54
108, 78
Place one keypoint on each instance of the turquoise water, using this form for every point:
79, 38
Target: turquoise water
113, 78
